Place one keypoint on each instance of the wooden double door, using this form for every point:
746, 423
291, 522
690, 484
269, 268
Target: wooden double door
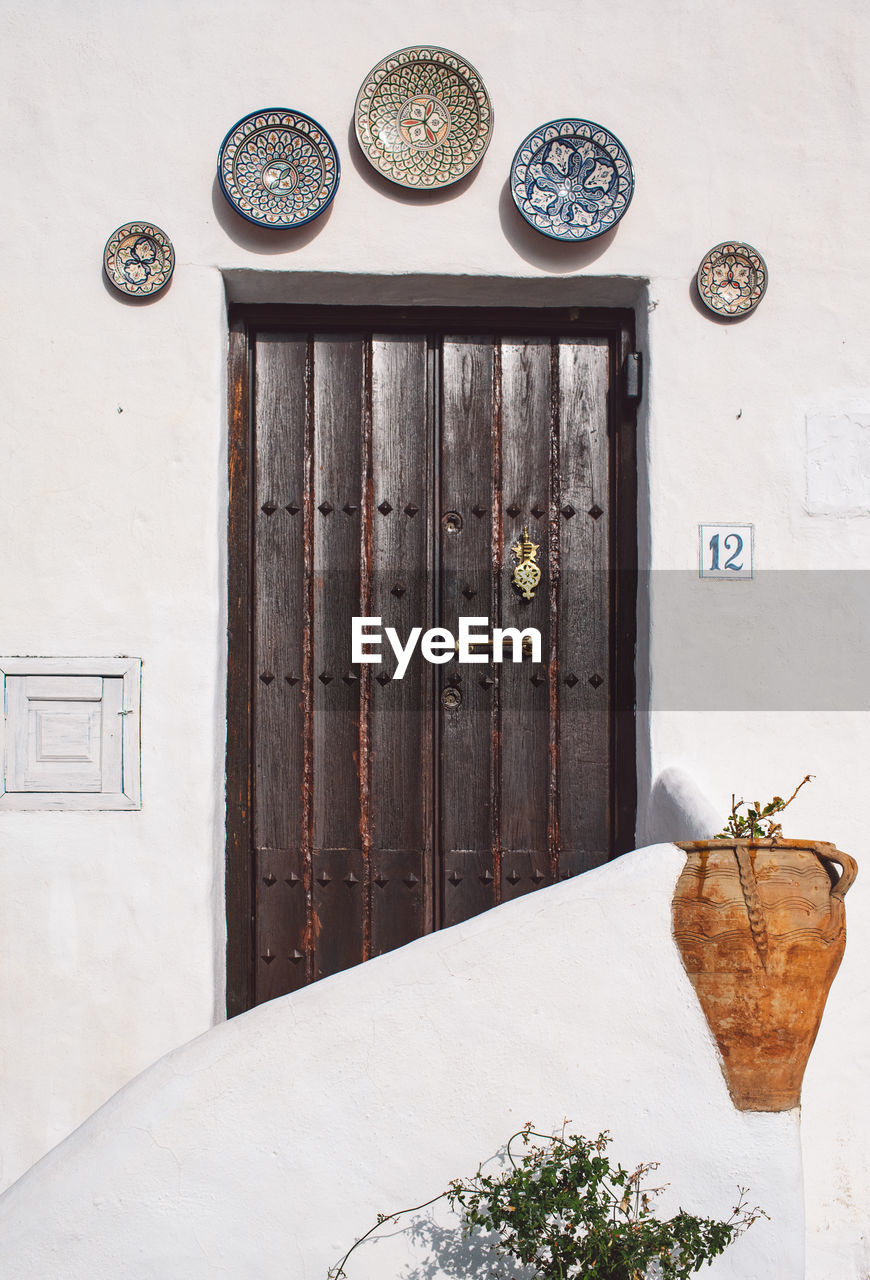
386, 466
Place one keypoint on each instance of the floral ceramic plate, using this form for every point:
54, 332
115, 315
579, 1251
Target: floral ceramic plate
732, 279
572, 180
278, 168
139, 259
423, 117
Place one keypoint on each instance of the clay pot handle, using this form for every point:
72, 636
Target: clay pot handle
847, 875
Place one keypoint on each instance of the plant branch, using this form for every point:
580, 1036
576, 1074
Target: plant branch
564, 1210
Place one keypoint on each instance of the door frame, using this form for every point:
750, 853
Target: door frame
617, 326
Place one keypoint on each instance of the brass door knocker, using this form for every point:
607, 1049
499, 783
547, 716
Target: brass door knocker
527, 575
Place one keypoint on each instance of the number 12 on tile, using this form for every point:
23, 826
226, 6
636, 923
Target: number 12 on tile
725, 550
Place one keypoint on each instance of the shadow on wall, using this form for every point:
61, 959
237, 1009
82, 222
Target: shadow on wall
441, 1249
450, 1253
678, 810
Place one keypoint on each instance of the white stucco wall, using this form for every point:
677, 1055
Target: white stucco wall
747, 120
268, 1145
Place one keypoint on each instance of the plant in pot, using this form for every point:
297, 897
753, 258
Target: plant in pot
760, 923
562, 1209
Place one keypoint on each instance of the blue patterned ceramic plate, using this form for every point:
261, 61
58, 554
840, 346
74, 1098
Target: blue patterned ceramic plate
572, 180
278, 168
139, 259
423, 117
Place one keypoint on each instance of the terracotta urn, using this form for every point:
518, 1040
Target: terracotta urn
761, 927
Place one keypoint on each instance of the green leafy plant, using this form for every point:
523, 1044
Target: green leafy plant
565, 1212
758, 822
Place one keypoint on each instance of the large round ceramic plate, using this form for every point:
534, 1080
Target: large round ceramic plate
423, 117
278, 168
139, 259
572, 179
732, 279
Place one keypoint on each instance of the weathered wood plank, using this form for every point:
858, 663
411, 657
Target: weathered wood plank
239, 906
624, 570
526, 410
584, 659
338, 890
338, 413
398, 878
337, 912
469, 430
468, 883
281, 916
277, 516
523, 871
401, 709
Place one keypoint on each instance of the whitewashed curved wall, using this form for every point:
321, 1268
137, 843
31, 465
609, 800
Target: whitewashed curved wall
746, 120
268, 1145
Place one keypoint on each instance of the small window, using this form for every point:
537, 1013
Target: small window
70, 733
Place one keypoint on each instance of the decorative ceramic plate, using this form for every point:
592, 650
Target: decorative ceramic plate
572, 179
423, 117
278, 168
732, 279
139, 259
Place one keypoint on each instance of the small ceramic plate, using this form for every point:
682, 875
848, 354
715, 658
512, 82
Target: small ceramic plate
139, 259
278, 168
732, 279
572, 179
423, 117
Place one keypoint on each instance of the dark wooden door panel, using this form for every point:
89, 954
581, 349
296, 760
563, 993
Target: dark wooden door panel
397, 714
528, 396
279, 487
342, 527
526, 745
467, 517
337, 404
390, 473
281, 871
280, 908
586, 581
338, 908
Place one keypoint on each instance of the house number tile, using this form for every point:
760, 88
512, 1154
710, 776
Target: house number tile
726, 550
